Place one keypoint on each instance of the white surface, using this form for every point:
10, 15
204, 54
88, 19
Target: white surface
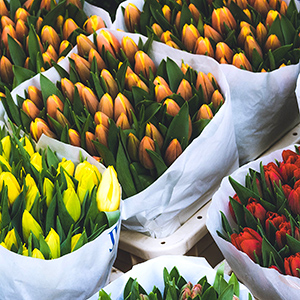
264, 283
191, 268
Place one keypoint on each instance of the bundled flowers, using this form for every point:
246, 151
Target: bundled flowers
256, 35
50, 207
176, 287
121, 107
38, 34
266, 211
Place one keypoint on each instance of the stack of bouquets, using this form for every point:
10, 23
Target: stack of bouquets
175, 277
258, 227
60, 220
139, 113
36, 34
252, 40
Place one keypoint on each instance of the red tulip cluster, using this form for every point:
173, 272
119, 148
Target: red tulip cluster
267, 210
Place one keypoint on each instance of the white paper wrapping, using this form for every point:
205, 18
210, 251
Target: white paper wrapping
264, 105
264, 283
165, 205
77, 275
150, 273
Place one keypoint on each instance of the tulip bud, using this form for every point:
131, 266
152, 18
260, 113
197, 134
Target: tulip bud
261, 34
89, 99
132, 17
35, 95
122, 105
160, 80
89, 137
283, 8
86, 167
74, 240
82, 66
217, 99
162, 91
197, 290
36, 161
38, 127
67, 166
190, 34
27, 4
271, 16
195, 12
84, 45
154, 134
172, 44
3, 9
48, 188
30, 109
45, 4
172, 152
108, 195
5, 20
30, 224
272, 43
133, 80
100, 62
111, 84
110, 43
38, 24
68, 27
262, 7
6, 70
63, 46
206, 85
240, 61
143, 63
93, 23
185, 90
101, 133
11, 239
166, 36
133, 146
53, 103
36, 253
6, 147
22, 14
144, 157
13, 187
49, 35
129, 47
32, 192
204, 112
106, 105
101, 118
53, 241
72, 203
223, 51
157, 29
67, 88
27, 145
220, 17
204, 47
245, 31
250, 45
210, 32
123, 122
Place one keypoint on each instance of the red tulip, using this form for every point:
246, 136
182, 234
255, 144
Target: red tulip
256, 209
283, 230
236, 198
294, 200
292, 265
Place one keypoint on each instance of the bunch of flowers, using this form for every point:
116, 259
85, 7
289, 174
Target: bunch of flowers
256, 35
119, 106
50, 207
266, 211
177, 288
35, 34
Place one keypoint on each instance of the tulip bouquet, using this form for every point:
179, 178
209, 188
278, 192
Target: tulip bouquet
261, 221
50, 209
190, 278
116, 102
35, 34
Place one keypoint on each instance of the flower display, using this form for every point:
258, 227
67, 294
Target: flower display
257, 36
121, 107
48, 209
36, 35
266, 212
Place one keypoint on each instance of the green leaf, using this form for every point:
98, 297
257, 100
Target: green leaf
209, 294
21, 74
236, 286
17, 53
51, 16
61, 71
13, 6
48, 88
52, 159
288, 30
11, 108
158, 161
34, 49
175, 74
293, 243
266, 249
227, 293
226, 226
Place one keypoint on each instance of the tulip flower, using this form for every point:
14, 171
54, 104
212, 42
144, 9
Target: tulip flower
143, 64
36, 161
36, 253
271, 16
206, 85
86, 167
93, 23
133, 146
101, 118
111, 84
89, 100
32, 192
6, 70
53, 241
283, 8
248, 241
49, 35
8, 30
13, 187
275, 219
210, 32
106, 105
131, 17
154, 134
100, 62
6, 147
101, 133
89, 137
261, 34
10, 239
195, 12
61, 119
122, 105
27, 145
47, 58
262, 7
64, 45
157, 29
172, 44
162, 91
189, 36
204, 47
144, 157
82, 66
294, 200
109, 42
220, 17
132, 80
172, 152
129, 47
77, 3
3, 9
67, 166
287, 190
21, 30
167, 13
35, 95
5, 163
292, 265
256, 209
48, 188
67, 88
68, 27
108, 195
244, 32
72, 203
123, 122
22, 14
74, 240
29, 224
30, 109
84, 44
250, 45
185, 90
166, 36
204, 112
272, 43
160, 80
284, 229
217, 99
52, 53
240, 61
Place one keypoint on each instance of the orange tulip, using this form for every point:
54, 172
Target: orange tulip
30, 109
101, 118
261, 34
22, 14
74, 137
38, 127
84, 45
189, 36
6, 72
67, 88
129, 47
100, 62
49, 35
185, 90
109, 42
106, 105
35, 95
122, 105
167, 13
172, 108
63, 46
21, 30
161, 92
166, 36
133, 144
154, 134
82, 66
173, 151
206, 85
8, 29
272, 43
250, 45
3, 9
144, 157
195, 12
5, 20
68, 27
240, 61
123, 122
89, 100
133, 80
271, 16
261, 6
203, 46
217, 99
223, 51
101, 133
210, 32
245, 31
204, 112
143, 64
93, 23
90, 147
131, 17
157, 29
220, 17
111, 84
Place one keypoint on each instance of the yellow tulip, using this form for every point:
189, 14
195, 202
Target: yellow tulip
36, 161
36, 253
53, 241
48, 188
74, 240
109, 192
72, 203
11, 239
68, 165
32, 191
4, 162
13, 187
6, 147
30, 224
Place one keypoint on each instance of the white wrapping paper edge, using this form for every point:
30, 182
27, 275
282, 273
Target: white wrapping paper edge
264, 283
264, 104
150, 273
77, 275
164, 206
